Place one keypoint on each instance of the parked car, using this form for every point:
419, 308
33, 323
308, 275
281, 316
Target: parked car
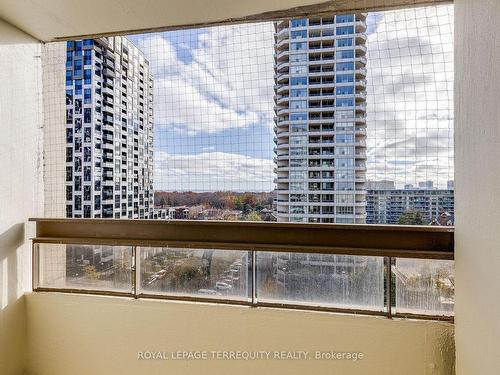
220, 285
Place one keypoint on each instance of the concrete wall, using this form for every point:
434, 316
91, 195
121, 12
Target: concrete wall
477, 186
20, 185
49, 19
77, 334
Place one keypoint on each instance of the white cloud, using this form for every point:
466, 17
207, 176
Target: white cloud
212, 171
227, 82
410, 96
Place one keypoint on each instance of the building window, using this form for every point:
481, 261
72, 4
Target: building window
298, 140
298, 104
343, 18
298, 69
298, 57
298, 116
345, 102
344, 198
298, 34
345, 186
342, 210
342, 78
78, 183
86, 211
345, 66
86, 192
69, 154
69, 78
294, 81
69, 135
346, 151
69, 116
97, 202
346, 54
87, 154
87, 96
69, 193
302, 22
298, 93
345, 30
345, 42
87, 57
344, 138
345, 90
298, 46
78, 106
298, 128
87, 115
344, 162
78, 164
87, 132
344, 175
78, 202
78, 87
78, 144
87, 173
78, 48
69, 97
69, 174
87, 76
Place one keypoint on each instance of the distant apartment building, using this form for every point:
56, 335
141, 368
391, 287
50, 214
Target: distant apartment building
382, 184
385, 206
320, 122
426, 184
109, 130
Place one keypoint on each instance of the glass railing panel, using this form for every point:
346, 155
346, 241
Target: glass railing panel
85, 267
338, 281
424, 286
207, 273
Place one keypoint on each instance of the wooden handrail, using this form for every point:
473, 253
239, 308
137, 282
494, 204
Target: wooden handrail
425, 242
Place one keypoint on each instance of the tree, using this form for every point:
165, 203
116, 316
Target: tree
238, 204
187, 276
249, 199
411, 217
90, 272
162, 202
252, 216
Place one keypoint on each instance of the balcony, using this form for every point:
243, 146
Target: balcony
131, 245
94, 322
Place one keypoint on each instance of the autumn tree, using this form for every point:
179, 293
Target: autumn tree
411, 217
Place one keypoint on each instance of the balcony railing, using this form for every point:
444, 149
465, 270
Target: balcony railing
393, 271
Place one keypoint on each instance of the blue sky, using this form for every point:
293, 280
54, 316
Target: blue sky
213, 102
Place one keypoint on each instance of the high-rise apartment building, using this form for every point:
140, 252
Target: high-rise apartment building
320, 122
109, 130
385, 206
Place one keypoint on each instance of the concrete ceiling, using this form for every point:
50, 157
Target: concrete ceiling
48, 20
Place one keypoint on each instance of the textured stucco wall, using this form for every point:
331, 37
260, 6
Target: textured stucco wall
50, 19
20, 185
477, 186
76, 334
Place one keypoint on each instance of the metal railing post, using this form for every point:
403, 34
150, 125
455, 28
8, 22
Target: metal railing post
134, 272
388, 288
252, 276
